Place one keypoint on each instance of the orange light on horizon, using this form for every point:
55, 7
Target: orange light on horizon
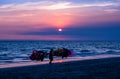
60, 61
60, 22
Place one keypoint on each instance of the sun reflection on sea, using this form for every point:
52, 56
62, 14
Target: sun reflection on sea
59, 61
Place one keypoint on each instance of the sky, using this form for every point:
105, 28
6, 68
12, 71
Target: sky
41, 19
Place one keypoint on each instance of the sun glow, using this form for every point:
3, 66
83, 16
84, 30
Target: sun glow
60, 30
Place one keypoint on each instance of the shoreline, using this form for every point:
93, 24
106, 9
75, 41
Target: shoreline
59, 60
106, 68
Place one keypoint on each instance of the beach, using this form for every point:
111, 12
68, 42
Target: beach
105, 68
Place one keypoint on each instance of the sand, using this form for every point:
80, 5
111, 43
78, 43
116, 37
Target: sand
106, 68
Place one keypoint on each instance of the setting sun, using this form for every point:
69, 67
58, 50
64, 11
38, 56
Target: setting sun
59, 30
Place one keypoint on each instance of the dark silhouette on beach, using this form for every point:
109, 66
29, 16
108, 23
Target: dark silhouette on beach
51, 56
33, 55
65, 52
41, 55
38, 55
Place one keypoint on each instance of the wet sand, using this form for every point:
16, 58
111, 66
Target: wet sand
106, 68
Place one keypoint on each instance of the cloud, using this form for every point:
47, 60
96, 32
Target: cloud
40, 12
52, 5
109, 31
112, 10
41, 19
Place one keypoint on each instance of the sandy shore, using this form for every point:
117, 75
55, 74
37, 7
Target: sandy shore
107, 68
58, 60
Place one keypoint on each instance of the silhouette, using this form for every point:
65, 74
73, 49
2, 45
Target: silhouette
63, 52
38, 55
41, 55
51, 56
33, 55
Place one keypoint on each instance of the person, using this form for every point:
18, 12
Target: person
51, 56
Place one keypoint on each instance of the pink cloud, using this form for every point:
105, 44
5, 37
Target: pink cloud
31, 16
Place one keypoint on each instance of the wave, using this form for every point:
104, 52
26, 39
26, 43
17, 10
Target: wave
21, 50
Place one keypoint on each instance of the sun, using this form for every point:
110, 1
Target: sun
60, 30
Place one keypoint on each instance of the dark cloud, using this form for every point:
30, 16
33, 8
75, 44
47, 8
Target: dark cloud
102, 32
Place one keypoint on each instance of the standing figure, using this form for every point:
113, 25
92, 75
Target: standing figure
51, 56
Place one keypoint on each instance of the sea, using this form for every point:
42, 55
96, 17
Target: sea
16, 51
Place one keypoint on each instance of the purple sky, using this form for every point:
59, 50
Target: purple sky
41, 19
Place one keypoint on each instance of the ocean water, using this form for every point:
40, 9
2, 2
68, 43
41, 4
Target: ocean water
19, 51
